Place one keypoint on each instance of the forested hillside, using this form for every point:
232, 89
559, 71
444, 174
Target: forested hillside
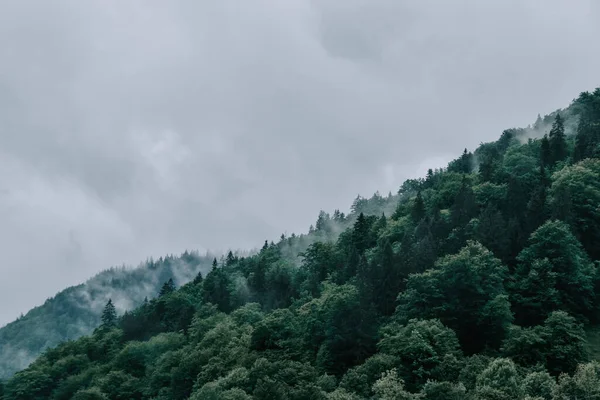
76, 311
479, 281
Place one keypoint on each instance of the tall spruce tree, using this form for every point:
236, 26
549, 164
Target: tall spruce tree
167, 288
557, 141
109, 315
546, 153
418, 209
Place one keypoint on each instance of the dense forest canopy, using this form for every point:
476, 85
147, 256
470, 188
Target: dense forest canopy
478, 281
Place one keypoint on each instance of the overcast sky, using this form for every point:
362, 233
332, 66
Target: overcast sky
139, 128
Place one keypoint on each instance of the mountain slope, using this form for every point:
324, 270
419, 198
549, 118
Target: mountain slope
479, 281
75, 311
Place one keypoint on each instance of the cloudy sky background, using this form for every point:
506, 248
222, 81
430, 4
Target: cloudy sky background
137, 128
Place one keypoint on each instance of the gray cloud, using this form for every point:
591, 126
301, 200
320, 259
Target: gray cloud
131, 129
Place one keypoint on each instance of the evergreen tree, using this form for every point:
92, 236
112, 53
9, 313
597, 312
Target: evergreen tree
467, 162
109, 315
230, 260
557, 141
322, 221
360, 234
418, 208
386, 279
546, 153
429, 178
167, 288
198, 279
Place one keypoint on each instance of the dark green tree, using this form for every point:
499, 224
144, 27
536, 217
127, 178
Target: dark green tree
567, 343
198, 279
109, 315
361, 233
465, 291
422, 347
231, 259
545, 152
553, 272
167, 288
418, 208
575, 194
492, 231
385, 278
587, 139
499, 381
557, 141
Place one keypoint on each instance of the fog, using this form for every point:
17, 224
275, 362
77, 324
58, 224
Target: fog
141, 128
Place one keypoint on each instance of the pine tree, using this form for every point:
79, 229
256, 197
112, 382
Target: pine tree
546, 154
466, 162
361, 233
109, 315
557, 141
230, 260
418, 209
198, 279
429, 178
167, 288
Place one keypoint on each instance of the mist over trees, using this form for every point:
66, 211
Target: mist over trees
478, 282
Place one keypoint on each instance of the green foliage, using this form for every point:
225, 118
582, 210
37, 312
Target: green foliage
76, 311
422, 348
558, 344
584, 384
499, 381
416, 306
109, 316
391, 387
538, 385
575, 195
444, 391
554, 272
465, 291
557, 141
